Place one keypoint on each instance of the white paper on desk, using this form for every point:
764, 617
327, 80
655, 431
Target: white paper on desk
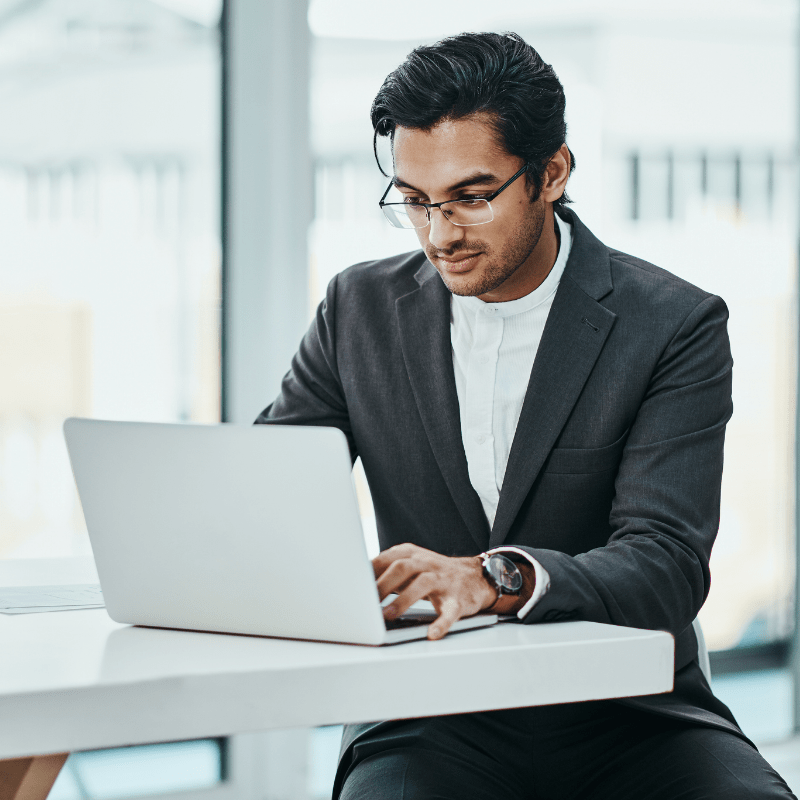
40, 609
37, 599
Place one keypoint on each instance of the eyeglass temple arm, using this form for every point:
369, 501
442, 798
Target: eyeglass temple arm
504, 186
388, 188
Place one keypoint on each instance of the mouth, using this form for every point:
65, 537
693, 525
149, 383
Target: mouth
461, 264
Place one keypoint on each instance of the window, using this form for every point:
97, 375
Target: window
109, 240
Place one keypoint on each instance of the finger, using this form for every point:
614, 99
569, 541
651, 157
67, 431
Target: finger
416, 590
450, 613
397, 577
386, 558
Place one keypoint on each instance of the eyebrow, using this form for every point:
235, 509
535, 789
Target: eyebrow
476, 179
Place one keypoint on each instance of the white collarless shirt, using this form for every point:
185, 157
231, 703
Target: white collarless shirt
494, 347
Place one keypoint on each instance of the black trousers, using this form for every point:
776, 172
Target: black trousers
585, 751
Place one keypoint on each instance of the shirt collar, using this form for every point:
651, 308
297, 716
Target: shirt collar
539, 294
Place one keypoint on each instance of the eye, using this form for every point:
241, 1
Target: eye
412, 201
472, 201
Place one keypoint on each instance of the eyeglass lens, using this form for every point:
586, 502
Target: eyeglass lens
459, 212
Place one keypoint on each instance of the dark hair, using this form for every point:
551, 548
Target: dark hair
499, 75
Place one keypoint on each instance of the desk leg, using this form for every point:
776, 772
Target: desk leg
29, 778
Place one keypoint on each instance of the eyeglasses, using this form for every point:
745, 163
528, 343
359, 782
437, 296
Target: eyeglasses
472, 211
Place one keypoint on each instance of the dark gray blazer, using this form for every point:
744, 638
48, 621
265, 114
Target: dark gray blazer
613, 481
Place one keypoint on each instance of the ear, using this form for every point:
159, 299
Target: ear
556, 174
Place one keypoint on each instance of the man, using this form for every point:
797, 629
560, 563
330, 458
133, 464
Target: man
519, 389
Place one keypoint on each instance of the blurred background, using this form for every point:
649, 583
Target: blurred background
180, 179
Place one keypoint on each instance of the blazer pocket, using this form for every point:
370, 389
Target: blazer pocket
577, 461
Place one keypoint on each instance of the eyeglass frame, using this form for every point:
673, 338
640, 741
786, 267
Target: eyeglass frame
428, 206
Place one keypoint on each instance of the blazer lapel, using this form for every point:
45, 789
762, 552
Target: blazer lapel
424, 320
574, 335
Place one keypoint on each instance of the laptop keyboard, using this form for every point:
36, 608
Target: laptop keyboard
409, 620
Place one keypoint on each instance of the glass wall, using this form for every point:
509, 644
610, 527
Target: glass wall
109, 238
148, 771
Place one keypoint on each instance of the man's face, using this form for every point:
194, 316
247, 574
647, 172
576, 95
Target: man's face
500, 260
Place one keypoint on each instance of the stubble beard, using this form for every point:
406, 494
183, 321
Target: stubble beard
500, 267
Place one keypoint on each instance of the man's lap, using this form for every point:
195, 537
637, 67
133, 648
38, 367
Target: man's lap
587, 751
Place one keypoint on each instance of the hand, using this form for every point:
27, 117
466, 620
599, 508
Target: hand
455, 586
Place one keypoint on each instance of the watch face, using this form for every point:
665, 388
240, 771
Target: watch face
505, 573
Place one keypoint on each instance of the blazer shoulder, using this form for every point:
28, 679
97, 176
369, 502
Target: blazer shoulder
652, 287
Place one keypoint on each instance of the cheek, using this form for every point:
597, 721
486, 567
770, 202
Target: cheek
497, 238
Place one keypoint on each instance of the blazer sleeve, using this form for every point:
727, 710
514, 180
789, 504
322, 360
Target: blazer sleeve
311, 392
653, 572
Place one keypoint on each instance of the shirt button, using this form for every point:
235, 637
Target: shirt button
490, 309
480, 438
484, 359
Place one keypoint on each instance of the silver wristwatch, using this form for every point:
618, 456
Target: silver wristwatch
502, 573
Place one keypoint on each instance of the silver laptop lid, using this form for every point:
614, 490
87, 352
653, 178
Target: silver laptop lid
241, 529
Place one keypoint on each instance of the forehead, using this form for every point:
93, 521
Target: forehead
443, 155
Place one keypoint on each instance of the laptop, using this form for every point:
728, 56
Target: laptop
232, 529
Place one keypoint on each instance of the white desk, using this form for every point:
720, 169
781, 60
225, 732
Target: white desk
75, 680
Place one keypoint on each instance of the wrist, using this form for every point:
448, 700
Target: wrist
488, 592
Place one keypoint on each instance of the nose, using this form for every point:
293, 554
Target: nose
442, 234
